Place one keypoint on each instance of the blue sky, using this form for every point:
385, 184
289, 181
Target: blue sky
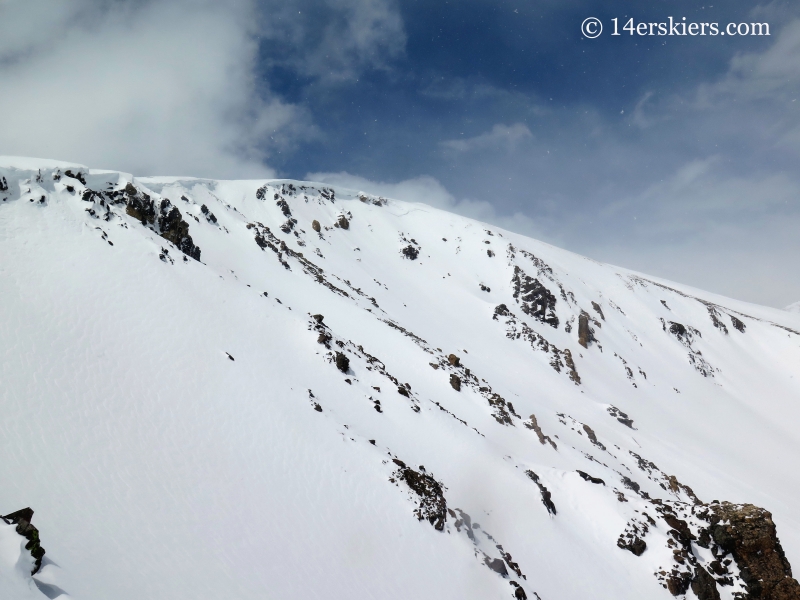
676, 156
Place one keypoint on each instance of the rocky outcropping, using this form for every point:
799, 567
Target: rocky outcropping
167, 219
22, 518
748, 534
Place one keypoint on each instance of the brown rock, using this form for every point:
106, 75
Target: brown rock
749, 534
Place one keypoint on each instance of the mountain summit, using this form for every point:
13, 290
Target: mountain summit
282, 389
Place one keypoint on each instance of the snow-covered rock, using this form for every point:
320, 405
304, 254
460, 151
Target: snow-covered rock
249, 389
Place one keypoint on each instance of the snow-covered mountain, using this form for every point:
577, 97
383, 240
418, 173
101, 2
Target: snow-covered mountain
279, 389
794, 307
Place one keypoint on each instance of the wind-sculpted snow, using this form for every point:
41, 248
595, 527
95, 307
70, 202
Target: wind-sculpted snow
250, 389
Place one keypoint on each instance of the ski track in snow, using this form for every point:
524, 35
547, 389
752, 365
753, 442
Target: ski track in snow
185, 429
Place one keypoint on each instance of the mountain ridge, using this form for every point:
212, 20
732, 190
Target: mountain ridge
468, 358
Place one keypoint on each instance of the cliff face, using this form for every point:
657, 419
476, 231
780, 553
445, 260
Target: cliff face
747, 533
346, 396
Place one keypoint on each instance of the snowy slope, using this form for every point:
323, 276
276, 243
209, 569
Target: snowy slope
185, 427
794, 307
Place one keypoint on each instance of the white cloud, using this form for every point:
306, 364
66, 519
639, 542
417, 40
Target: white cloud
150, 87
503, 136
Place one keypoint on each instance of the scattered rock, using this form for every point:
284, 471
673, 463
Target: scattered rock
316, 226
454, 360
343, 222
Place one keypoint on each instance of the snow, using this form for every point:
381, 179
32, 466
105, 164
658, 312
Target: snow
793, 308
160, 468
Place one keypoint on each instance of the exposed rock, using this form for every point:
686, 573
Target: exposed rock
592, 437
534, 298
497, 565
79, 176
208, 214
342, 362
704, 586
432, 504
584, 332
176, 230
22, 519
455, 382
316, 226
410, 252
620, 416
715, 319
543, 439
749, 534
454, 360
546, 495
598, 310
590, 479
140, 207
343, 222
635, 544
737, 324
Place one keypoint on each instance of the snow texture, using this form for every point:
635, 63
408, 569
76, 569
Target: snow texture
224, 402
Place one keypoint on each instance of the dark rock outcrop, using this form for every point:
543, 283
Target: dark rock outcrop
410, 252
748, 533
547, 497
432, 506
342, 362
455, 382
534, 298
176, 230
22, 519
584, 331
